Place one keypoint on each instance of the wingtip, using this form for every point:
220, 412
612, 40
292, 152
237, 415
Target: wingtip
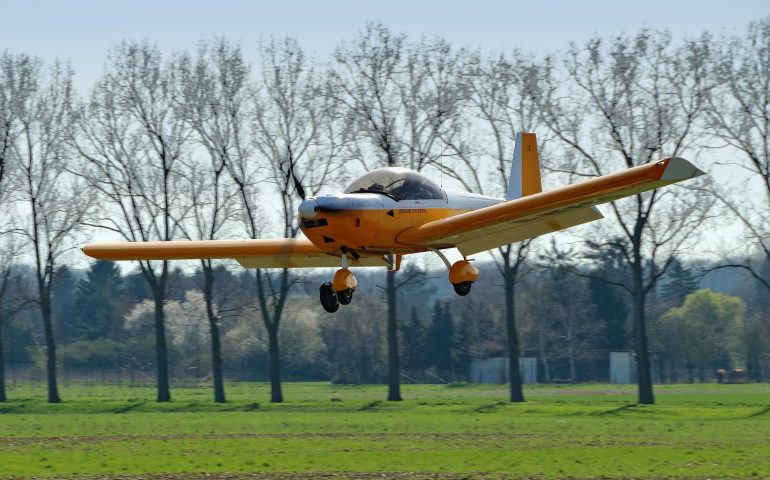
88, 251
679, 169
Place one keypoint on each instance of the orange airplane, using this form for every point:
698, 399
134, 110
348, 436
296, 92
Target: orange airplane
391, 212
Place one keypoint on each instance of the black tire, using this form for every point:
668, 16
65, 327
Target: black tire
345, 296
462, 288
328, 298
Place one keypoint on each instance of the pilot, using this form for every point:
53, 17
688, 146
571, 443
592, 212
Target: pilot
407, 189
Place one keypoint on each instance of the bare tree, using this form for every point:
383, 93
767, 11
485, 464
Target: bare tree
133, 138
213, 98
14, 88
402, 99
738, 116
565, 310
501, 101
16, 83
364, 81
51, 204
13, 296
431, 91
297, 132
630, 101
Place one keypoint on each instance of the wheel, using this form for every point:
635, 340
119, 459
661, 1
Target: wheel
345, 296
328, 298
462, 288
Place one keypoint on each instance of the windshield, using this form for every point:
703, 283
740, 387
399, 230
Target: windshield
397, 183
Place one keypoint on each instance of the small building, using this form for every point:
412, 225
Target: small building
623, 367
495, 370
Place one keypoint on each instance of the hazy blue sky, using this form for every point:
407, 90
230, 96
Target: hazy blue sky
82, 30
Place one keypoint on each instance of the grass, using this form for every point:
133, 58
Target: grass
471, 431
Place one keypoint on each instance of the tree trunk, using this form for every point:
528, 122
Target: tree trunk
643, 375
272, 325
216, 363
216, 345
572, 367
50, 345
753, 367
276, 393
543, 357
3, 398
516, 393
164, 392
394, 368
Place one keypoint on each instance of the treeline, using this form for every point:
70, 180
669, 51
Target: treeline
201, 145
569, 320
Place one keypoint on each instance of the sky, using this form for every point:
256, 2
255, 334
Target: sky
82, 30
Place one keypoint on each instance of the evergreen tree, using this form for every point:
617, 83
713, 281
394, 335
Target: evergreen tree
440, 338
612, 311
98, 300
414, 333
63, 302
681, 283
610, 301
482, 318
462, 348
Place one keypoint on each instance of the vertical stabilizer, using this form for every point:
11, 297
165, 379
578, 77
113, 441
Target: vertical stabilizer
525, 170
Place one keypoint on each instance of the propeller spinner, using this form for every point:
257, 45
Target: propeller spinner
309, 208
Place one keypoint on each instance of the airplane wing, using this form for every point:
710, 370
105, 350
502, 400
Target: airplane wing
540, 213
260, 253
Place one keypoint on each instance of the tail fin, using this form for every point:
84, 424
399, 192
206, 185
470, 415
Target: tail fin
525, 170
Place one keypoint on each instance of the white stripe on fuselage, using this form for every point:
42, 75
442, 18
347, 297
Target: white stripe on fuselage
469, 201
456, 200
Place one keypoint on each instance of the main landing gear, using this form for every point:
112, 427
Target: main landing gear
461, 274
340, 290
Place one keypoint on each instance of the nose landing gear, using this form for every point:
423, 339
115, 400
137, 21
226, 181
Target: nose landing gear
329, 299
344, 284
340, 290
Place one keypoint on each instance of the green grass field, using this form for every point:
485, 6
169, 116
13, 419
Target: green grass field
694, 431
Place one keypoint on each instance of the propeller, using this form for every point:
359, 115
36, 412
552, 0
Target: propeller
309, 207
297, 184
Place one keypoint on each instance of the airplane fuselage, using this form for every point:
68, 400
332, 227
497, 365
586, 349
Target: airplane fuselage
370, 223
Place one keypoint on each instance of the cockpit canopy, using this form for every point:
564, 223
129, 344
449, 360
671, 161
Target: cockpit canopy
397, 183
